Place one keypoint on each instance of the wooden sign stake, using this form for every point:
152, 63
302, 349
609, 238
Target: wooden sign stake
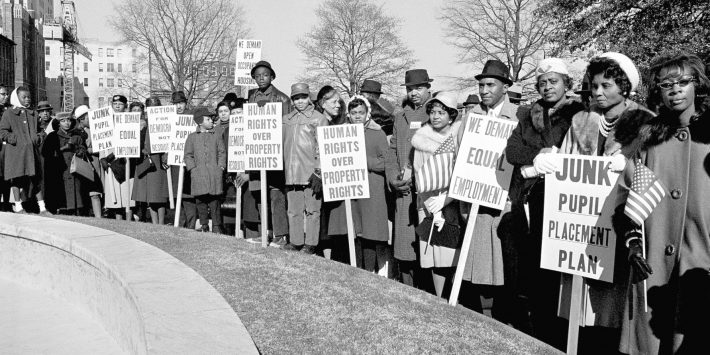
465, 246
178, 202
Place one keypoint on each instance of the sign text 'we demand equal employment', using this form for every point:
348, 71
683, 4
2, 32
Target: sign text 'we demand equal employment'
577, 236
482, 174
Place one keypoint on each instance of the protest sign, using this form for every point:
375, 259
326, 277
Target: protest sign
343, 162
262, 136
578, 237
102, 127
127, 138
248, 54
160, 119
181, 127
482, 174
235, 146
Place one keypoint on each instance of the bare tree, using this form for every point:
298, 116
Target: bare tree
353, 41
507, 30
186, 41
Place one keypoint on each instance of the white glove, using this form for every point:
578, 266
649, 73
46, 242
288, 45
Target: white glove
434, 204
438, 221
545, 163
618, 163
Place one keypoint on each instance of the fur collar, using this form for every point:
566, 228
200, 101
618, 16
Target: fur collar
564, 109
427, 140
644, 128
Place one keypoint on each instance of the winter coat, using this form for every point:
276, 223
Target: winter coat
401, 155
205, 159
676, 236
370, 214
152, 185
63, 190
485, 263
300, 145
20, 129
604, 301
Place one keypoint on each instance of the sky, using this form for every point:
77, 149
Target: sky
279, 23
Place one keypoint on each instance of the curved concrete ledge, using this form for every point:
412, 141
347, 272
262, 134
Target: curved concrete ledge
147, 300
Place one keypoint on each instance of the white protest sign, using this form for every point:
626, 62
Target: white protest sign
235, 146
343, 162
248, 54
127, 138
263, 146
180, 129
160, 119
102, 126
482, 174
577, 234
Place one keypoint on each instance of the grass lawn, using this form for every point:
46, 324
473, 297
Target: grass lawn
293, 303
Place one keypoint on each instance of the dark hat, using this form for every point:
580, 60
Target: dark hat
63, 115
199, 114
238, 103
416, 77
178, 96
515, 97
371, 86
153, 101
43, 105
495, 69
120, 98
586, 87
230, 97
263, 63
300, 89
472, 100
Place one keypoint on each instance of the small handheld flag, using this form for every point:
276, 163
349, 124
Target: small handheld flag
645, 194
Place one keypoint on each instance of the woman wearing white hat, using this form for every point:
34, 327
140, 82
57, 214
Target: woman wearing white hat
540, 132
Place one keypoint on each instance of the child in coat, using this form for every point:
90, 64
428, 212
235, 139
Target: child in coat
302, 170
21, 130
370, 214
206, 160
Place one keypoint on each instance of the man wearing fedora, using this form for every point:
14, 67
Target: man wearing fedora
188, 210
44, 111
264, 74
381, 110
489, 259
399, 172
471, 102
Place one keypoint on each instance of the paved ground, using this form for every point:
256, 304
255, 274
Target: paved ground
34, 322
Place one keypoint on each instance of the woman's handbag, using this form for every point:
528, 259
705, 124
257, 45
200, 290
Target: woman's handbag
81, 167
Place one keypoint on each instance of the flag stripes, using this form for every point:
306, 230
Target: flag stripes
645, 194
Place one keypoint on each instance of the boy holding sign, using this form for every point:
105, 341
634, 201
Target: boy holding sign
302, 170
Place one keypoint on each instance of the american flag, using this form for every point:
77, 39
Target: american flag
436, 172
645, 194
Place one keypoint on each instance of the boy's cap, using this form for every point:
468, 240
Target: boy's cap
263, 63
199, 115
300, 89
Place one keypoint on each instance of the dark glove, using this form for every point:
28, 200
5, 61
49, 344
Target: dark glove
110, 158
640, 270
104, 164
37, 139
151, 164
316, 184
400, 186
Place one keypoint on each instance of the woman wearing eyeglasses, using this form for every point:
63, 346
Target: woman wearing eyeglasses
675, 146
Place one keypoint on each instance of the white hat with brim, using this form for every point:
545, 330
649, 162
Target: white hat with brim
447, 98
627, 66
81, 110
551, 65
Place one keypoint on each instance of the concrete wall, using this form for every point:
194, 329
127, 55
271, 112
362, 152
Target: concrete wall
147, 300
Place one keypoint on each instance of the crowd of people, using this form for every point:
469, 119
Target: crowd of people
416, 229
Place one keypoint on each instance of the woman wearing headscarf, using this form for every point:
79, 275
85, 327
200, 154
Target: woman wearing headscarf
539, 133
612, 79
673, 147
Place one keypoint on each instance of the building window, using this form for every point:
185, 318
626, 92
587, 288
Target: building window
101, 52
109, 82
101, 67
231, 71
118, 52
120, 68
61, 65
86, 81
86, 66
133, 68
46, 65
109, 52
134, 52
224, 70
46, 50
101, 84
120, 82
109, 67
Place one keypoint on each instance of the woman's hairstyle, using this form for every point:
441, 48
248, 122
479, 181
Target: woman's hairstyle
358, 101
152, 101
453, 113
324, 93
610, 69
136, 104
220, 104
676, 65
